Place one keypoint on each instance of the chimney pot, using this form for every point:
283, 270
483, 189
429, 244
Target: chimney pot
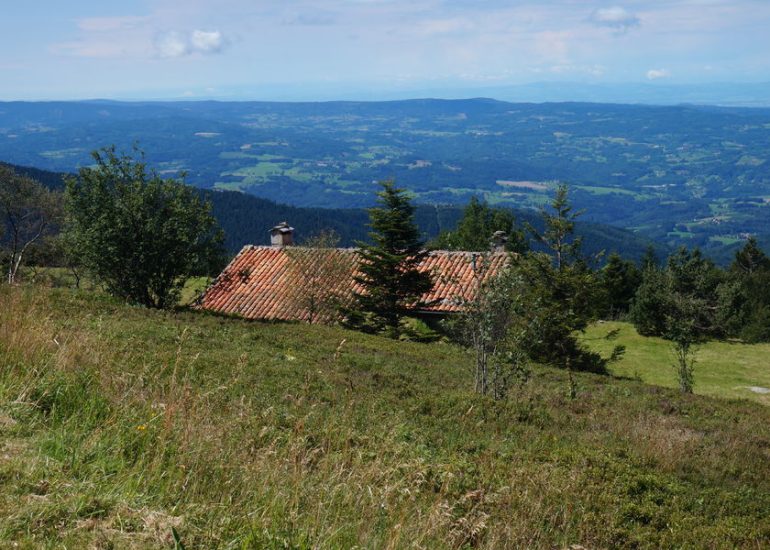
499, 240
282, 235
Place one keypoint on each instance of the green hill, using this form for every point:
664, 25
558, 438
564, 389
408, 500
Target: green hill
119, 424
722, 368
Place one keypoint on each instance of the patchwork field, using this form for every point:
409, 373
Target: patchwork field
679, 175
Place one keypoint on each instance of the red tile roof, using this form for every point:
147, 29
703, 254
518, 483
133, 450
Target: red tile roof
262, 282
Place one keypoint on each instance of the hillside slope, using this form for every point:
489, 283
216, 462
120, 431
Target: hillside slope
119, 424
246, 219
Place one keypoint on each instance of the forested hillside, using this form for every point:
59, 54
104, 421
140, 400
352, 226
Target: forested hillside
246, 219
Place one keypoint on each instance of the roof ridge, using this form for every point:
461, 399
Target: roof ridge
354, 248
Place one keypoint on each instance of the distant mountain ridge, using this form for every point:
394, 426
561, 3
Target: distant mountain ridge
663, 91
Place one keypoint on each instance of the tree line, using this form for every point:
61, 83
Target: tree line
137, 235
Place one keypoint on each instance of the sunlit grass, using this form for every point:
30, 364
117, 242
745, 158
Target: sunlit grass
722, 369
118, 424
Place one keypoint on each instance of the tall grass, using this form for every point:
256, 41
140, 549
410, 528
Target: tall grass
122, 424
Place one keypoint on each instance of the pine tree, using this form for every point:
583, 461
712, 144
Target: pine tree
745, 299
750, 259
388, 270
619, 280
476, 227
650, 259
558, 293
688, 275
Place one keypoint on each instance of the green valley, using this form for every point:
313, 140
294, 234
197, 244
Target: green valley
676, 174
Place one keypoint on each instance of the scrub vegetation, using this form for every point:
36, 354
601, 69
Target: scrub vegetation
123, 425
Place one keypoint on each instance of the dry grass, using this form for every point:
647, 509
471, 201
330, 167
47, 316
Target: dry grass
119, 424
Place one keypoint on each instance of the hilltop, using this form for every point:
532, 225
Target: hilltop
119, 424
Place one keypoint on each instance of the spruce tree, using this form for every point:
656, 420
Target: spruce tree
745, 299
558, 293
750, 259
475, 229
388, 270
619, 280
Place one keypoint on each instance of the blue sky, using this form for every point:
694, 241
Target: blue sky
54, 49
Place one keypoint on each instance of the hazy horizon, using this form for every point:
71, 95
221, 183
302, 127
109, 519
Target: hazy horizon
380, 49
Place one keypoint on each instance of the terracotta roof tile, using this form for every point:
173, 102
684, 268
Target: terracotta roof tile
262, 282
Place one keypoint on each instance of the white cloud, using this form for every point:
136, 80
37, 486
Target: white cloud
655, 74
207, 41
172, 44
615, 17
175, 44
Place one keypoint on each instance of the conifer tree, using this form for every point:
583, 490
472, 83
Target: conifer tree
619, 280
392, 284
476, 227
745, 298
650, 259
558, 293
750, 259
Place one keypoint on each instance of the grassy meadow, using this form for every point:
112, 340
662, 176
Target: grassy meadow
120, 427
722, 369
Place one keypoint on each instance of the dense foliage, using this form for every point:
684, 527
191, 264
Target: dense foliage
691, 300
29, 216
138, 234
557, 292
391, 283
748, 295
687, 276
619, 280
475, 229
246, 219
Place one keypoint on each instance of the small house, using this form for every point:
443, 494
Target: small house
273, 282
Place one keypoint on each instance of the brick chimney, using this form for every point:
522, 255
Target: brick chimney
499, 240
282, 235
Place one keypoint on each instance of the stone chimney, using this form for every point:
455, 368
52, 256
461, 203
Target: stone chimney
498, 242
282, 235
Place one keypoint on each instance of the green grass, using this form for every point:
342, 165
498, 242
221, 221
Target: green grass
60, 277
722, 369
261, 170
118, 424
